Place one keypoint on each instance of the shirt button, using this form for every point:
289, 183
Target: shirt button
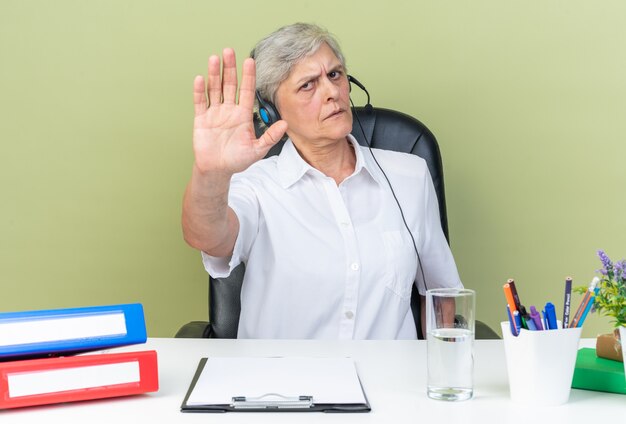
354, 266
349, 314
344, 223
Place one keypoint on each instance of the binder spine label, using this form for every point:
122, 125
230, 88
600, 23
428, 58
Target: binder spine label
62, 328
66, 379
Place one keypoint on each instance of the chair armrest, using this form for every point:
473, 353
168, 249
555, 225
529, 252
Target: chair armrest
484, 332
195, 330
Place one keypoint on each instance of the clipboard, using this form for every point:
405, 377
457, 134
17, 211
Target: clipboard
275, 385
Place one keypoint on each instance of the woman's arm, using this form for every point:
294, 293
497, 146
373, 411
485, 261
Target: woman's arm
224, 143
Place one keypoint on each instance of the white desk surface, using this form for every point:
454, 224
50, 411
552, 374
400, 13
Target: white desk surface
393, 374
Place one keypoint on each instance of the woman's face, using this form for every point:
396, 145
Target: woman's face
315, 99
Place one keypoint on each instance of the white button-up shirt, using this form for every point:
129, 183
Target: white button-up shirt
328, 261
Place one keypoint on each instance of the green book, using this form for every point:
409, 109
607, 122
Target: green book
593, 373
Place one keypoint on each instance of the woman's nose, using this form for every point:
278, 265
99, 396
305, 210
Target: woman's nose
331, 89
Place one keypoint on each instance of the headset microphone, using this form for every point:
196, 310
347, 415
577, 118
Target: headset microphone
368, 106
369, 109
269, 115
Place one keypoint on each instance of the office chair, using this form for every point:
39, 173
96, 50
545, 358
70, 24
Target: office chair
385, 129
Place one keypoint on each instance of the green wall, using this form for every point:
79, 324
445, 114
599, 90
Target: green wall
527, 99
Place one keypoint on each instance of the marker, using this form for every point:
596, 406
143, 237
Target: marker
544, 320
551, 316
518, 320
511, 284
536, 318
510, 299
512, 322
525, 316
567, 301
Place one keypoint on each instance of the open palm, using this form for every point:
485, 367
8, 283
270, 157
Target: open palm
223, 135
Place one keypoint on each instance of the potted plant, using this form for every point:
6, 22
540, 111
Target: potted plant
610, 300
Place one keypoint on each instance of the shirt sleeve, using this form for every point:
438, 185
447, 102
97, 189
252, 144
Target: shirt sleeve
436, 257
244, 202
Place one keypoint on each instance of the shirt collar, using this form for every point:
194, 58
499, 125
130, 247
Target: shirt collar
291, 166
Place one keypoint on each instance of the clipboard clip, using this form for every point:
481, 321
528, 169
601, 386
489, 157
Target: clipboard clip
272, 401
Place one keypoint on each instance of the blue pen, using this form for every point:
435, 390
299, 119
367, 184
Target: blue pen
551, 316
531, 325
513, 327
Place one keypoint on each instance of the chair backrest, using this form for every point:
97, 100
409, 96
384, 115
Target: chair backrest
384, 129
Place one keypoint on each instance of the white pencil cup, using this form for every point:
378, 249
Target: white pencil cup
622, 336
541, 364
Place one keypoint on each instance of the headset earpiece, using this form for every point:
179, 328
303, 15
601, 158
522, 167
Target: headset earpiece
267, 111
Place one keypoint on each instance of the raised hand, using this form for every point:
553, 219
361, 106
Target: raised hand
223, 132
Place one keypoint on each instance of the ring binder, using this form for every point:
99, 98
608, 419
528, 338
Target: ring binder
52, 332
45, 381
272, 401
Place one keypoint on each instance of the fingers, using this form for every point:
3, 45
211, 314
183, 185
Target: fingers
248, 84
199, 95
214, 83
229, 76
272, 135
223, 88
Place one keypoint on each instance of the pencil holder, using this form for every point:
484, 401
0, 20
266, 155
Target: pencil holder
541, 364
622, 336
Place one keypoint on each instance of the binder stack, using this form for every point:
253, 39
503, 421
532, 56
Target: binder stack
54, 356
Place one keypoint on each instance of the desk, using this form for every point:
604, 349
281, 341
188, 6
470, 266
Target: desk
393, 374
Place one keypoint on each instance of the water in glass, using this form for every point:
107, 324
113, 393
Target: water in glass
450, 364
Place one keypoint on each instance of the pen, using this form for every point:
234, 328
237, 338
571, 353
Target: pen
592, 299
584, 302
511, 322
536, 318
525, 317
580, 310
518, 320
567, 301
510, 299
511, 284
551, 316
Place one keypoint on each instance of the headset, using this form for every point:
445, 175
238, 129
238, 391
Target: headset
267, 111
370, 109
269, 115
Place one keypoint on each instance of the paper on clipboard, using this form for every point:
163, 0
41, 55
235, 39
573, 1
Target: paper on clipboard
327, 380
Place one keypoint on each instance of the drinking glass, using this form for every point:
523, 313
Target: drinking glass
450, 342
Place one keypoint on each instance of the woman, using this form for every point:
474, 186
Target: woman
326, 250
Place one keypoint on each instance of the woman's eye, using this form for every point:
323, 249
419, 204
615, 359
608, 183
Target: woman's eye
306, 86
334, 74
